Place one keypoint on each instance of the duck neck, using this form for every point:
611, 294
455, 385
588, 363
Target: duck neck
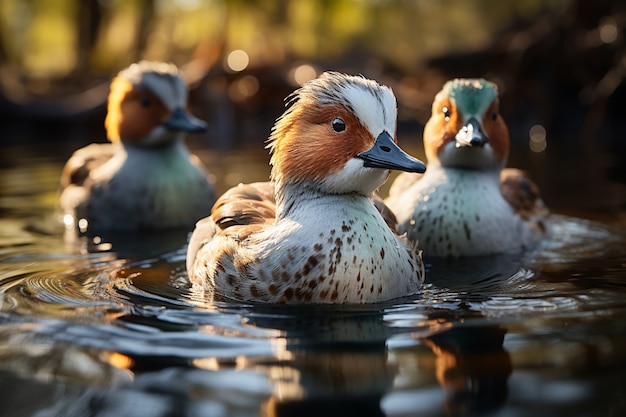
435, 168
292, 197
174, 146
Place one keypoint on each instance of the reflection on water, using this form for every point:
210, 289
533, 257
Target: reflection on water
108, 325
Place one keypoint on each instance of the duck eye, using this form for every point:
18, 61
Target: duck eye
144, 101
446, 113
494, 116
338, 125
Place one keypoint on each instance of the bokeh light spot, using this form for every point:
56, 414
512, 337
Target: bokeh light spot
608, 31
537, 141
82, 225
301, 74
237, 60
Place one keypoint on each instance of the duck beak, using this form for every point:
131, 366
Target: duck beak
471, 135
386, 154
181, 120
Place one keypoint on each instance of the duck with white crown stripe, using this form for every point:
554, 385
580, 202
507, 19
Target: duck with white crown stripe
146, 179
312, 234
466, 204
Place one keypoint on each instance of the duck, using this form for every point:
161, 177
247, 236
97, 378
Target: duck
145, 177
313, 234
467, 203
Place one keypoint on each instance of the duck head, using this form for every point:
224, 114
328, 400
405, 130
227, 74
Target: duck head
338, 133
466, 129
147, 106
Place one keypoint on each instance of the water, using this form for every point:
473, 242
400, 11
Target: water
110, 327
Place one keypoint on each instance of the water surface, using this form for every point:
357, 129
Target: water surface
108, 326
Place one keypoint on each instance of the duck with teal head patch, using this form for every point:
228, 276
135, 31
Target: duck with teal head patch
467, 203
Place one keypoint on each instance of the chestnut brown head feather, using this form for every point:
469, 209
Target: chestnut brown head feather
304, 144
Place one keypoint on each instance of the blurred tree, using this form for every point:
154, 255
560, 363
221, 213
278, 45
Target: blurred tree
542, 52
89, 22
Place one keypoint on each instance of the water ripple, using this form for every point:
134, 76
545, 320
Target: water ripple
143, 340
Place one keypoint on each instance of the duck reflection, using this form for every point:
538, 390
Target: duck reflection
472, 368
338, 361
333, 384
473, 274
340, 366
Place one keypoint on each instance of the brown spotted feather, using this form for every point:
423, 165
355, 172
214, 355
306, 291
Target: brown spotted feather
523, 195
242, 207
83, 161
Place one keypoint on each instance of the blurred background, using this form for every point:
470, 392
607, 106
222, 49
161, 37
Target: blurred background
560, 66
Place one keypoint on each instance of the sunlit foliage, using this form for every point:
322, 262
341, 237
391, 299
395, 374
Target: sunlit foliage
53, 38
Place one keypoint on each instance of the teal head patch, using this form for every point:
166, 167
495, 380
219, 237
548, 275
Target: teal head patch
472, 96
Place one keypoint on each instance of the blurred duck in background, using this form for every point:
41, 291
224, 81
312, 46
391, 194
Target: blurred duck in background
146, 178
467, 204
